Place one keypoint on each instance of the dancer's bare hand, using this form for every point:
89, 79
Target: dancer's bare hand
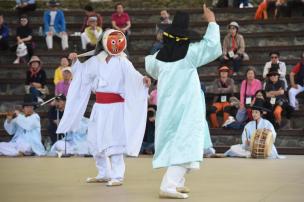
208, 14
147, 81
73, 57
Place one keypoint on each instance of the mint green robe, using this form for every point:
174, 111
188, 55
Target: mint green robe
181, 119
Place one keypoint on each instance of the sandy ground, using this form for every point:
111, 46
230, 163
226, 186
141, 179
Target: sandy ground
53, 179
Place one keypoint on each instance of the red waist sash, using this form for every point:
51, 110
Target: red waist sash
107, 98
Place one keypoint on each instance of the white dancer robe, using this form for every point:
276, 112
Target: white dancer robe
116, 128
27, 136
241, 150
74, 143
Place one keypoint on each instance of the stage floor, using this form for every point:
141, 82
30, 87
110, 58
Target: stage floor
63, 180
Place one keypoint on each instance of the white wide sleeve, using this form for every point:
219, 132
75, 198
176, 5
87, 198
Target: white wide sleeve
150, 65
135, 110
77, 98
208, 49
10, 127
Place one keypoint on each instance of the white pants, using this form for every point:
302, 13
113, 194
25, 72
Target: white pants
292, 95
112, 167
15, 148
62, 35
173, 178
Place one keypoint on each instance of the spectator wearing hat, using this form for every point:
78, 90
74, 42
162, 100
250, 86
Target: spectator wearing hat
89, 12
24, 6
62, 87
258, 122
297, 83
91, 33
223, 88
55, 114
275, 93
54, 24
275, 63
121, 20
25, 128
36, 79
4, 34
24, 36
64, 62
234, 48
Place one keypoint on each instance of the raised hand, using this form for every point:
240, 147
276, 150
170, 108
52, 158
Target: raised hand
208, 15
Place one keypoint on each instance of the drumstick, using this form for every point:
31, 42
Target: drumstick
89, 53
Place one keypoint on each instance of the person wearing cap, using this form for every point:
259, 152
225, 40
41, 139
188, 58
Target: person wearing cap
25, 128
296, 78
91, 33
118, 117
62, 87
258, 122
24, 6
234, 48
275, 93
24, 35
276, 64
4, 34
64, 62
89, 12
54, 25
181, 123
223, 89
35, 83
55, 114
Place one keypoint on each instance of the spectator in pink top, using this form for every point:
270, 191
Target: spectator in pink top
62, 87
153, 96
121, 20
249, 87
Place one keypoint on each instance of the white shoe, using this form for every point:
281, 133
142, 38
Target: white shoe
241, 5
96, 180
183, 190
17, 61
39, 100
113, 183
176, 195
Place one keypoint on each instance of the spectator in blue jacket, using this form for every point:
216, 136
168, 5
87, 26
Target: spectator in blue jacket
4, 34
54, 24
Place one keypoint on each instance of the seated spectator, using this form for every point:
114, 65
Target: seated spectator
121, 20
148, 141
89, 12
297, 83
249, 87
164, 22
36, 79
4, 34
74, 142
223, 88
24, 36
62, 87
25, 128
234, 48
262, 13
54, 24
243, 150
91, 34
24, 6
64, 62
275, 93
55, 114
276, 64
153, 95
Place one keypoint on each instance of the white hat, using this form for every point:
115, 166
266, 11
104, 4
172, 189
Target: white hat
67, 69
235, 24
92, 18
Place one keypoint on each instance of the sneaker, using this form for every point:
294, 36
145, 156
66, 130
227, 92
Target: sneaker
113, 183
96, 180
17, 61
39, 100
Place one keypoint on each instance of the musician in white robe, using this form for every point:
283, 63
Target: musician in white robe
74, 142
118, 117
243, 150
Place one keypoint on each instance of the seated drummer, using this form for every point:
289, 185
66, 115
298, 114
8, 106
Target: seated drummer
223, 88
243, 150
